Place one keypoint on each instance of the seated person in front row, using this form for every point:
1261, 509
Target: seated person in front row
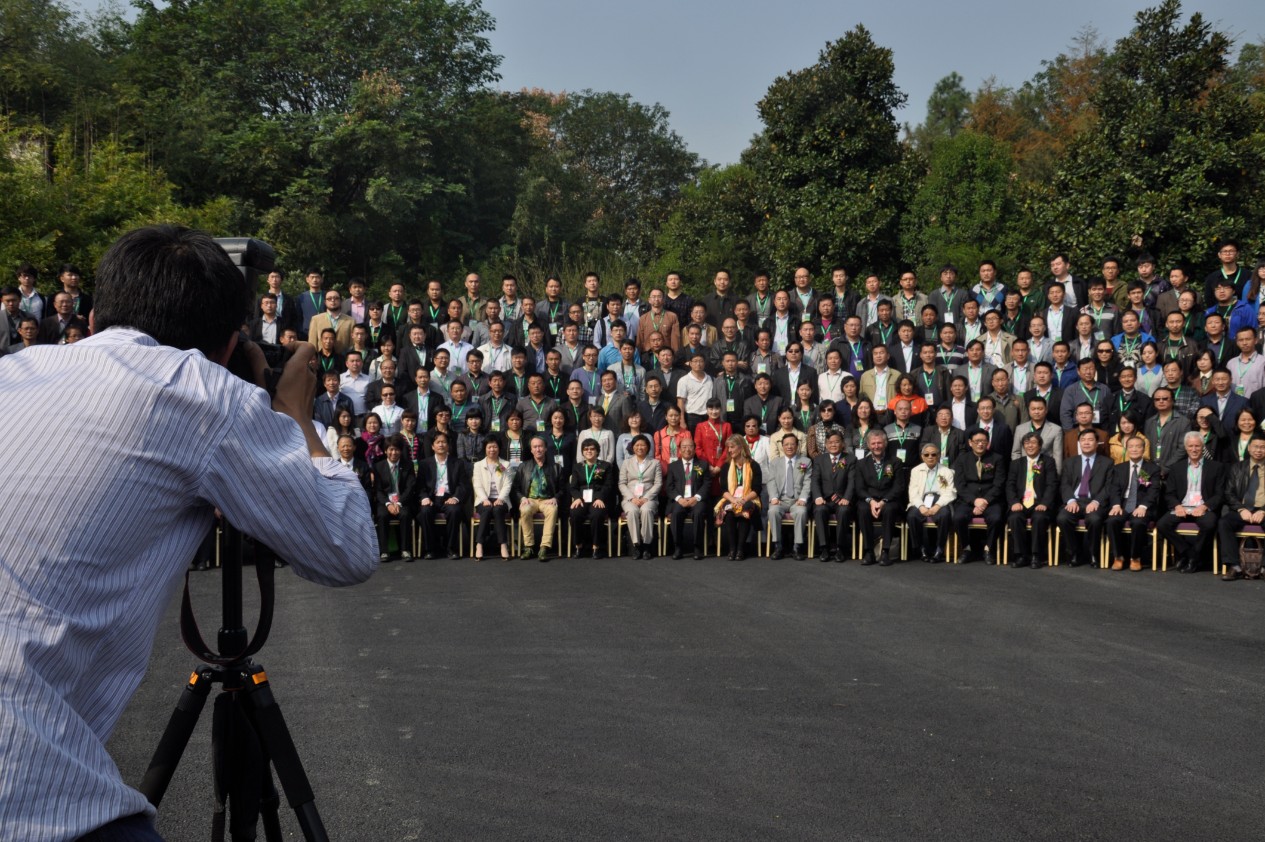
592, 497
876, 494
1244, 505
1135, 493
1032, 489
787, 485
688, 484
1192, 495
443, 483
931, 491
831, 490
981, 482
1084, 489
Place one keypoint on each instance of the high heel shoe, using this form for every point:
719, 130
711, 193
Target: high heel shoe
478, 552
505, 552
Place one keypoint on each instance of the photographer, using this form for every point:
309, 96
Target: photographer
87, 574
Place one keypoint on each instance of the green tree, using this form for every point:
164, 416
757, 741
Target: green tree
830, 172
323, 118
713, 226
947, 110
1173, 158
966, 207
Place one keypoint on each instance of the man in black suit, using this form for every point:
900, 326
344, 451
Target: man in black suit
1084, 490
1075, 289
1244, 503
396, 493
877, 486
1032, 488
413, 353
373, 392
53, 327
981, 477
1000, 436
1192, 494
1135, 493
831, 490
1223, 401
593, 493
444, 485
787, 378
687, 493
346, 454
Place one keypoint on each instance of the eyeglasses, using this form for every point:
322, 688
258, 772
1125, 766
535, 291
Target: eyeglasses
793, 351
1104, 350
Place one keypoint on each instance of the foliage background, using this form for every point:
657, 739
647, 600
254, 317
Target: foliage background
366, 137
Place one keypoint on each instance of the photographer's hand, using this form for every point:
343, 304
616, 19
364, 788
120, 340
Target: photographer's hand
296, 391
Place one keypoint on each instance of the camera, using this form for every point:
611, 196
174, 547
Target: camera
253, 258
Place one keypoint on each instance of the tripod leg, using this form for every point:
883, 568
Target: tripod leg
279, 746
176, 736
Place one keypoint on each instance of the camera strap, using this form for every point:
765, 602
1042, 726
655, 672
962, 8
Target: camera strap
265, 567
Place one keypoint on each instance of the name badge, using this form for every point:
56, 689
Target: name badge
761, 368
930, 398
639, 489
689, 490
592, 400
540, 424
557, 459
860, 451
553, 328
441, 490
729, 404
900, 454
948, 318
1238, 390
394, 498
1097, 416
496, 425
587, 494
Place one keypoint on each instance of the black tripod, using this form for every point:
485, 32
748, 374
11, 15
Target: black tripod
248, 733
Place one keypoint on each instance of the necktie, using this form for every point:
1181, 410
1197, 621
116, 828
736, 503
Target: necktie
1083, 491
1253, 487
979, 468
1029, 492
1131, 498
789, 488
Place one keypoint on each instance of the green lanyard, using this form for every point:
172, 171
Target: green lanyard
1093, 399
588, 473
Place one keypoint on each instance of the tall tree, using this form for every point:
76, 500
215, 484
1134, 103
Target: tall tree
1174, 156
713, 226
947, 110
830, 172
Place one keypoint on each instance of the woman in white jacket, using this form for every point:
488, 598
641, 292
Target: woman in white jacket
931, 491
492, 496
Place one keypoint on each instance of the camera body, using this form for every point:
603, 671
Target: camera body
253, 258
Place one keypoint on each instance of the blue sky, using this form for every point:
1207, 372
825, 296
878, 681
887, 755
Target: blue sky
709, 63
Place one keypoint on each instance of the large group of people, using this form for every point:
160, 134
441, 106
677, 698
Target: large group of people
1096, 407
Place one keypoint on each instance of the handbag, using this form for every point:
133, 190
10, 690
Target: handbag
1250, 553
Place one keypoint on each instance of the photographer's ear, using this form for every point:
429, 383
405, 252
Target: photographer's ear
222, 356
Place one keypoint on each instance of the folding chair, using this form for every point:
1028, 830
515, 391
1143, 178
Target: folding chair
1191, 528
1050, 559
622, 523
1080, 527
810, 534
979, 524
571, 536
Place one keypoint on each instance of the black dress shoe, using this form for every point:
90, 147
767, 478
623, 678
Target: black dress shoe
799, 554
778, 552
867, 559
678, 555
698, 555
884, 560
826, 555
988, 556
733, 556
938, 557
1016, 563
1037, 564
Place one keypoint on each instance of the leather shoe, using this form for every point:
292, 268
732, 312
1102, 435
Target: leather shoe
867, 559
1232, 573
799, 554
1017, 562
988, 556
884, 560
1117, 563
1037, 564
678, 555
1135, 564
778, 553
598, 555
698, 555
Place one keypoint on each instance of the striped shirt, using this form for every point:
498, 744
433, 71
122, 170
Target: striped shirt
98, 537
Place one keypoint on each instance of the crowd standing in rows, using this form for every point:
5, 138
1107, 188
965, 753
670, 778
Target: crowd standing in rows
1083, 404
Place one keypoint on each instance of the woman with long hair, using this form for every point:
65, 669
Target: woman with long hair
386, 351
633, 426
1205, 364
757, 442
1239, 434
864, 419
851, 397
1130, 423
1150, 370
492, 483
788, 422
739, 505
344, 425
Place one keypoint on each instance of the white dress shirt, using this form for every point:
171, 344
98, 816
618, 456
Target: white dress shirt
84, 581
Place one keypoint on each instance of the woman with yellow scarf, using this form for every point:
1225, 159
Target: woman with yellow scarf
739, 506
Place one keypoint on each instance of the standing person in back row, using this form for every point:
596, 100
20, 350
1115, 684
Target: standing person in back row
137, 530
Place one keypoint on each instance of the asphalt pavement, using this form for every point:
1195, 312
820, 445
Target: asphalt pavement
724, 700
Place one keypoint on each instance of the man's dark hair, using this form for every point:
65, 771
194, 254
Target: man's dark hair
174, 284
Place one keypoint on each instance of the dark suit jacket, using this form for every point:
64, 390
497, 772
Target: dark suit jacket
434, 403
768, 420
1148, 493
1002, 439
459, 480
782, 383
1140, 404
407, 483
1236, 480
1233, 406
1080, 288
373, 393
886, 483
1212, 487
971, 487
553, 477
833, 483
1099, 478
955, 446
699, 485
604, 484
1044, 483
51, 330
1069, 323
255, 329
326, 410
